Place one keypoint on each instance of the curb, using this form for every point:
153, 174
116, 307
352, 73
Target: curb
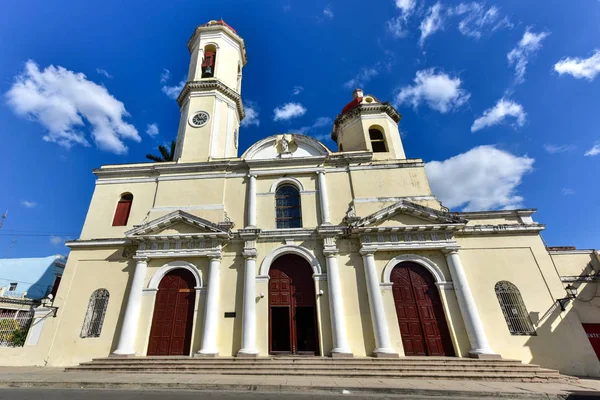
440, 393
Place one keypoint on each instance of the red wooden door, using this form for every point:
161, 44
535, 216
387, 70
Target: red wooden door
292, 307
593, 333
171, 331
420, 313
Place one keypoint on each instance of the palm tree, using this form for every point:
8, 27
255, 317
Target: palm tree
166, 154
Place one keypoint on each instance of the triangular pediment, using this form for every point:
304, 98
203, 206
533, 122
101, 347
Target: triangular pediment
406, 213
178, 223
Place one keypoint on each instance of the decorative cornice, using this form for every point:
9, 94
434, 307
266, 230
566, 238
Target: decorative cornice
84, 243
173, 218
413, 209
523, 212
211, 84
501, 229
361, 109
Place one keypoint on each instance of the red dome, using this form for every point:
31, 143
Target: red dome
220, 22
353, 104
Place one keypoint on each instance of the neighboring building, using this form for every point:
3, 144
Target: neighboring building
31, 278
23, 283
296, 249
580, 269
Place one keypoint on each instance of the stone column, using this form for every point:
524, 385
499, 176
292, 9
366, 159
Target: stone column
251, 200
336, 308
479, 343
211, 313
126, 345
249, 307
383, 343
324, 200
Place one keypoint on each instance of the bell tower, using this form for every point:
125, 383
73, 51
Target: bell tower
366, 124
210, 102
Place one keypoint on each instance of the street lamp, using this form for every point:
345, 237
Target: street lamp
571, 294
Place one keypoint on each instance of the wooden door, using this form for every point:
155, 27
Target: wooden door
171, 331
420, 313
292, 307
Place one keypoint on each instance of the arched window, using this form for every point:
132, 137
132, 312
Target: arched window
123, 209
239, 79
288, 212
94, 317
210, 61
514, 310
377, 140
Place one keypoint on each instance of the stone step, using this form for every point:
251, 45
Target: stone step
512, 376
233, 366
313, 359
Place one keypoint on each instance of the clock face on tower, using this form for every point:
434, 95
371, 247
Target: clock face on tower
199, 119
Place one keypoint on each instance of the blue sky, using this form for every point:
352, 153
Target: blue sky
500, 98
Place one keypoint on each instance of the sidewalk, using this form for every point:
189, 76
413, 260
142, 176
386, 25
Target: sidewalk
56, 378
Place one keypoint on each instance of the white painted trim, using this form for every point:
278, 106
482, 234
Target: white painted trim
569, 252
288, 179
216, 94
303, 252
229, 135
214, 132
165, 269
188, 208
432, 267
96, 243
394, 199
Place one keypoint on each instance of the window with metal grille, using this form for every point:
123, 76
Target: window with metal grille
514, 310
377, 140
94, 317
288, 212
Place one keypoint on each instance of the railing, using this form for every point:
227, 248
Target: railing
14, 327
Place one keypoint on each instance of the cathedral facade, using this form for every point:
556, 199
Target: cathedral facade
294, 249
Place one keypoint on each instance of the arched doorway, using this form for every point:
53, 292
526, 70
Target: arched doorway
171, 331
292, 307
420, 313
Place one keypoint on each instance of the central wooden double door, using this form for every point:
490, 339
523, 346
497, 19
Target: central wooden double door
420, 313
171, 331
292, 307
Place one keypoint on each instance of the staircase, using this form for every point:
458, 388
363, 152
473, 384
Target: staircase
324, 367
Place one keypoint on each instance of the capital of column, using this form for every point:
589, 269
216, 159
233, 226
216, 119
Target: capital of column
450, 250
140, 259
366, 251
320, 172
250, 175
330, 252
250, 253
214, 257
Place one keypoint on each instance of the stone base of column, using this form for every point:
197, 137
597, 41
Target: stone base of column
206, 355
115, 355
485, 356
385, 354
246, 354
341, 354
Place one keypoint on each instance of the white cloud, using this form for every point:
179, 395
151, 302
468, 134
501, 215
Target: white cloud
251, 118
433, 22
555, 148
57, 240
152, 130
64, 102
103, 72
297, 90
170, 91
594, 151
529, 44
319, 123
328, 13
28, 204
497, 114
288, 111
580, 67
567, 191
476, 19
440, 91
364, 76
482, 178
397, 25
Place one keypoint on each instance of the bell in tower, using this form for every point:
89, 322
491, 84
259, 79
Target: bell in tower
208, 64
